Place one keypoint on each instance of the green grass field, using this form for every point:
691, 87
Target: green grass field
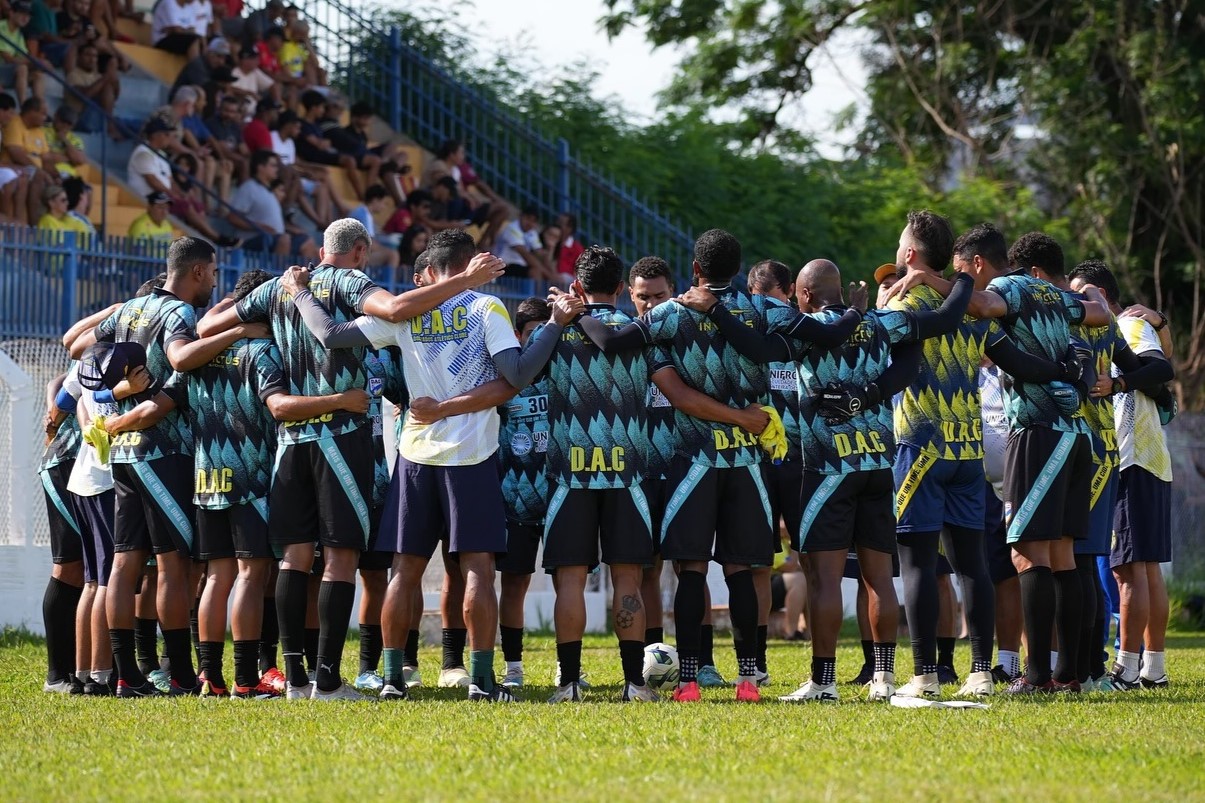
1147, 745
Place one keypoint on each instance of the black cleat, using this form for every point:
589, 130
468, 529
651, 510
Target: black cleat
147, 689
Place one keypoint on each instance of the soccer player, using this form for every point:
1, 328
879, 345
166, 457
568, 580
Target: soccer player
1142, 521
152, 460
446, 479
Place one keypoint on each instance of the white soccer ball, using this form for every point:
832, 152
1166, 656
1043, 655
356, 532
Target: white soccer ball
660, 665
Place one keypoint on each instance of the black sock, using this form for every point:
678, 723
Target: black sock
211, 661
122, 642
370, 647
1096, 653
246, 670
269, 636
335, 603
411, 658
146, 644
867, 652
884, 656
631, 655
964, 548
311, 648
945, 651
453, 640
1085, 570
569, 656
179, 651
763, 635
194, 631
654, 635
58, 617
742, 608
707, 644
512, 643
292, 590
824, 670
688, 618
1037, 608
1068, 607
918, 568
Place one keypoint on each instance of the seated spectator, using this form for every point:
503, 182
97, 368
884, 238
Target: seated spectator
102, 88
198, 71
66, 150
257, 207
352, 139
519, 246
24, 144
414, 242
14, 185
251, 83
447, 204
226, 128
56, 217
42, 32
204, 23
172, 28
202, 140
75, 24
231, 22
550, 236
79, 201
451, 162
269, 61
296, 57
153, 224
258, 23
383, 252
398, 177
569, 249
423, 212
18, 71
184, 106
257, 134
313, 147
302, 181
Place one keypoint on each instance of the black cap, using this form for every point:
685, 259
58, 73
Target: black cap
286, 117
248, 53
222, 75
158, 197
157, 125
266, 105
21, 7
103, 365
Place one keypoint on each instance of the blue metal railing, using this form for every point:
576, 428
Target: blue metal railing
421, 100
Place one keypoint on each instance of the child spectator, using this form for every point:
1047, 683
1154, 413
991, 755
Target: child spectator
296, 57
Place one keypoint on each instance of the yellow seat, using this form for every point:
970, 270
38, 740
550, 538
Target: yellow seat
161, 64
140, 32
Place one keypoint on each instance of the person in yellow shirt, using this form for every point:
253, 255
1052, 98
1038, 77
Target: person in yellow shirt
153, 224
296, 57
56, 217
23, 144
65, 154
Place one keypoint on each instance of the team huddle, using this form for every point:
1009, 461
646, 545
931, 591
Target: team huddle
1007, 420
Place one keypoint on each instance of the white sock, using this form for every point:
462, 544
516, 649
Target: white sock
1128, 661
101, 675
1054, 659
1152, 665
1011, 661
81, 675
514, 665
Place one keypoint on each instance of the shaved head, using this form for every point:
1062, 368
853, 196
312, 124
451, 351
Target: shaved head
820, 279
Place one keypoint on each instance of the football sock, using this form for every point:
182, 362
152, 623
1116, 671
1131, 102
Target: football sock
58, 617
1037, 602
194, 630
246, 668
1068, 605
292, 589
1088, 651
1011, 661
763, 635
1153, 667
569, 657
654, 635
1128, 661
127, 665
707, 645
82, 675
742, 607
211, 662
370, 647
411, 658
146, 644
884, 656
964, 548
512, 643
395, 659
918, 567
269, 636
101, 676
868, 652
631, 655
179, 652
824, 671
688, 667
481, 668
688, 615
945, 651
335, 603
311, 647
454, 639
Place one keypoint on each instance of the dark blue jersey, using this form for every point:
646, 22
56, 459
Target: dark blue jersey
522, 448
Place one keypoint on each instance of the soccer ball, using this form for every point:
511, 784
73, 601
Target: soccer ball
660, 665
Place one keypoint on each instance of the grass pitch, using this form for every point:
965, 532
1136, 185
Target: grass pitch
1147, 743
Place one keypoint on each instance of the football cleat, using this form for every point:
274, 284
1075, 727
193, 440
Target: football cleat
455, 678
686, 693
1070, 687
208, 689
58, 687
162, 680
746, 692
345, 692
513, 679
274, 680
411, 677
1022, 686
811, 691
177, 690
147, 689
260, 691
391, 692
94, 688
582, 683
882, 686
1001, 675
709, 677
979, 684
369, 682
569, 693
763, 678
1156, 683
639, 694
925, 686
1104, 683
1118, 680
500, 694
300, 692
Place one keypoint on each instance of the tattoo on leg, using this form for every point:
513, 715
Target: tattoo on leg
631, 603
624, 619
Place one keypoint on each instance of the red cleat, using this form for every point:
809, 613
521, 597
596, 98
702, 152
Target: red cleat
687, 693
747, 692
274, 680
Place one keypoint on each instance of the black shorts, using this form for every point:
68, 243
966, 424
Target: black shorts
1047, 484
581, 522
321, 492
784, 483
238, 531
462, 504
1142, 526
720, 514
846, 511
65, 546
996, 550
373, 559
177, 43
154, 510
656, 493
522, 546
95, 515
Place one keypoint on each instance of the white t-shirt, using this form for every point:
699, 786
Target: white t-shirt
144, 161
512, 235
1140, 437
447, 352
286, 149
170, 14
995, 426
89, 476
202, 16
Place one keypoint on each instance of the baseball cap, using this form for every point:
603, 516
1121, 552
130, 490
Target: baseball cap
103, 365
883, 271
220, 46
22, 7
157, 125
158, 197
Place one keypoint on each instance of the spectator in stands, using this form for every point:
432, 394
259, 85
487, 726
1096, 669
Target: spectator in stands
56, 218
257, 134
24, 144
352, 139
449, 162
42, 32
269, 61
257, 207
183, 106
66, 150
397, 175
226, 128
569, 248
251, 83
203, 141
550, 236
382, 253
414, 242
75, 24
423, 213
153, 224
296, 56
173, 27
302, 181
204, 23
228, 14
102, 88
14, 185
258, 23
79, 201
20, 72
198, 71
519, 246
313, 147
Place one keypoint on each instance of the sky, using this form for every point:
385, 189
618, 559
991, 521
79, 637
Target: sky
564, 31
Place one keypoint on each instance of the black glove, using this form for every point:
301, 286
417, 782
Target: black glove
840, 402
1166, 403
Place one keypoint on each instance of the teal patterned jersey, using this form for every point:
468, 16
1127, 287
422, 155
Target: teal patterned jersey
783, 377
522, 448
235, 433
309, 368
598, 435
385, 383
660, 414
64, 446
1039, 319
694, 346
153, 321
865, 442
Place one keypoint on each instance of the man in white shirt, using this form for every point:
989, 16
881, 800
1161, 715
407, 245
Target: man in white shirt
518, 245
173, 28
148, 169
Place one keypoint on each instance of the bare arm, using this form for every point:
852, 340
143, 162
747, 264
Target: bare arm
218, 319
699, 405
147, 414
404, 306
86, 325
426, 410
1158, 322
284, 407
984, 303
188, 355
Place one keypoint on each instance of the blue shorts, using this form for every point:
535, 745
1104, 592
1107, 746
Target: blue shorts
460, 503
931, 492
1103, 500
1142, 523
95, 515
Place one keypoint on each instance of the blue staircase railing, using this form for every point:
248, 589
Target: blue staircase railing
424, 102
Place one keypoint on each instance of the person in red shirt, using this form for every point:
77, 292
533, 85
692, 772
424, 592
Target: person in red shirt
569, 249
257, 134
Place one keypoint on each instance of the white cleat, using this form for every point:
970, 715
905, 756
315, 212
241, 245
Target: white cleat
978, 684
811, 692
411, 677
639, 694
882, 686
927, 687
59, 687
345, 692
513, 679
300, 692
569, 693
455, 678
500, 694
